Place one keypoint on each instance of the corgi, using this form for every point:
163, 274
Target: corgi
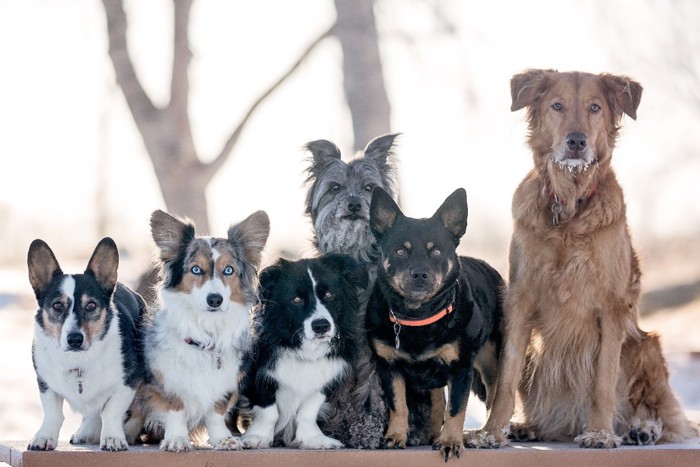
86, 348
304, 345
196, 339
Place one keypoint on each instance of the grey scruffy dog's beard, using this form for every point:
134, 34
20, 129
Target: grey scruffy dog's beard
356, 414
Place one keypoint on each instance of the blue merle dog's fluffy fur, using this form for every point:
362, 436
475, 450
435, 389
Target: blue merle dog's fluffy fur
337, 202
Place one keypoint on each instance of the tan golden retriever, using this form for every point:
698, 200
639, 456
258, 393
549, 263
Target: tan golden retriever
582, 367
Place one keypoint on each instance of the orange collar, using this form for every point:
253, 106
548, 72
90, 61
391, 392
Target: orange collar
417, 322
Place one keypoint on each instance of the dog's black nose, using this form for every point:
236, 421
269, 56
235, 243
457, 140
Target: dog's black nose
419, 274
215, 300
75, 340
320, 326
354, 204
576, 141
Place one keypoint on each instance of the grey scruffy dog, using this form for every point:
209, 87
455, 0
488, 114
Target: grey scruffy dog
337, 202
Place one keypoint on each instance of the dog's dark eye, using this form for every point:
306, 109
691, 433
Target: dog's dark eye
57, 306
328, 295
369, 187
297, 300
91, 306
400, 252
595, 108
228, 270
435, 252
335, 188
197, 271
557, 106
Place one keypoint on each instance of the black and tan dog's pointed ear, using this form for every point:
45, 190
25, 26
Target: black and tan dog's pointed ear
381, 147
526, 87
623, 94
43, 267
250, 235
453, 213
170, 234
104, 263
383, 212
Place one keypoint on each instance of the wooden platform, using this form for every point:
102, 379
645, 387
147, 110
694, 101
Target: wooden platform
518, 454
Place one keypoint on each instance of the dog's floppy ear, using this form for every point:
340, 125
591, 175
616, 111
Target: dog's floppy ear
453, 213
623, 94
526, 87
43, 267
381, 147
251, 236
349, 268
170, 234
269, 277
104, 263
383, 212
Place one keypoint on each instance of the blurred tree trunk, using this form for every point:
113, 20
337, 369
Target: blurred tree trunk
366, 96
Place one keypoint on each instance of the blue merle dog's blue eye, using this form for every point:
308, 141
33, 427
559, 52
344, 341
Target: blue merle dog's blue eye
196, 270
228, 270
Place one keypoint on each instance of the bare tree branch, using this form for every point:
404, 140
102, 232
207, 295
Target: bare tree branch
216, 164
180, 84
141, 106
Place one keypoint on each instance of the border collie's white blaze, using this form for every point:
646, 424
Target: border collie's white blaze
85, 348
196, 341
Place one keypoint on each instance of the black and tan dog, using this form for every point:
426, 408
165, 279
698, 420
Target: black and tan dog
433, 318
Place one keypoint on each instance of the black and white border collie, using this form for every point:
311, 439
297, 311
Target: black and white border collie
86, 348
196, 340
304, 343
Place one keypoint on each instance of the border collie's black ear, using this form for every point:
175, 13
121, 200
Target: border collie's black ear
104, 263
453, 214
623, 94
349, 268
42, 266
170, 234
268, 279
381, 147
250, 235
526, 87
383, 212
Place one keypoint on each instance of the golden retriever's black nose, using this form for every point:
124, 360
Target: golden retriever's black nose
576, 141
214, 300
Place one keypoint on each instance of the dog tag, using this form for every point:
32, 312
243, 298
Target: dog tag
397, 330
556, 210
218, 362
80, 387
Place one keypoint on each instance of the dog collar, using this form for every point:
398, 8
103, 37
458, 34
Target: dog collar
418, 322
556, 206
199, 345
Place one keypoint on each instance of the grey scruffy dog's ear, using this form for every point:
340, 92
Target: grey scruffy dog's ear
321, 149
381, 147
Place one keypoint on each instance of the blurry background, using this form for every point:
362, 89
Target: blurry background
109, 110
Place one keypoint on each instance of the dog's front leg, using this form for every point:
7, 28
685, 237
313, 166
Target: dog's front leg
112, 436
517, 329
261, 431
308, 434
46, 439
599, 431
394, 387
177, 435
219, 435
450, 441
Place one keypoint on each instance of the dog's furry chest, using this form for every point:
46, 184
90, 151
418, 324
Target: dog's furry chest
305, 377
97, 371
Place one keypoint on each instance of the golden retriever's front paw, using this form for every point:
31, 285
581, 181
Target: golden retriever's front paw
520, 432
599, 439
482, 439
643, 433
395, 440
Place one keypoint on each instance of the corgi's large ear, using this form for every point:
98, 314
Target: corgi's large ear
527, 87
250, 235
623, 94
104, 263
383, 212
453, 214
42, 266
170, 234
